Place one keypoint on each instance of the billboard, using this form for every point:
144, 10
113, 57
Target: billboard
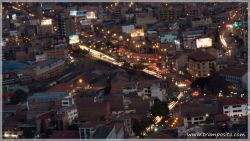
73, 39
73, 12
137, 33
168, 38
46, 22
203, 42
13, 17
91, 15
82, 13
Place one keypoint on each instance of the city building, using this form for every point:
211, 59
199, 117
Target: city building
189, 38
179, 61
66, 25
234, 106
49, 68
236, 76
169, 12
200, 22
196, 112
66, 116
110, 130
194, 9
201, 64
58, 51
39, 103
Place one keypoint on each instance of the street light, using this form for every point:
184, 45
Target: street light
80, 80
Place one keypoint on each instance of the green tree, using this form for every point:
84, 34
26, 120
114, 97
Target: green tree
19, 96
160, 108
73, 127
216, 83
137, 127
28, 133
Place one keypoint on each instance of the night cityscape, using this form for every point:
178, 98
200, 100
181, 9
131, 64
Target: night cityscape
125, 70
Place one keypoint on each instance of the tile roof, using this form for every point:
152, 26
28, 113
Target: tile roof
66, 134
198, 108
47, 96
90, 110
62, 87
92, 124
103, 131
221, 117
116, 103
233, 101
200, 55
147, 83
239, 72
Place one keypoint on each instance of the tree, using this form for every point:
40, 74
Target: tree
159, 108
137, 128
199, 83
28, 133
19, 96
213, 84
73, 127
138, 66
216, 83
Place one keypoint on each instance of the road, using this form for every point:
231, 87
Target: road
106, 58
101, 56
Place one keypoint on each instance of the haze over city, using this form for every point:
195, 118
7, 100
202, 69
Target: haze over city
124, 70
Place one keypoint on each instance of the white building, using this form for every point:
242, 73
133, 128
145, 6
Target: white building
40, 56
153, 89
157, 91
234, 107
196, 112
68, 101
127, 90
70, 113
198, 22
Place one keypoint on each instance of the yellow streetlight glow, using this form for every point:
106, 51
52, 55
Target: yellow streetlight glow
80, 80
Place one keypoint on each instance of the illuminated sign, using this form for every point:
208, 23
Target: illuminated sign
13, 16
73, 13
91, 15
137, 33
166, 38
46, 22
73, 39
195, 93
85, 22
203, 42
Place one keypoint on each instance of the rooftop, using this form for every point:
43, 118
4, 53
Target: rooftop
199, 108
239, 72
62, 87
200, 55
10, 66
233, 101
49, 62
103, 131
47, 96
66, 134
